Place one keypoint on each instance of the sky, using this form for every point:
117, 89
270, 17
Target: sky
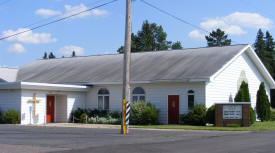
101, 31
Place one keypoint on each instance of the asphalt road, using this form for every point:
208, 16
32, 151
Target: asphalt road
24, 139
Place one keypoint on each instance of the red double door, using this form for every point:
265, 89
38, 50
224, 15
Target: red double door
173, 109
50, 109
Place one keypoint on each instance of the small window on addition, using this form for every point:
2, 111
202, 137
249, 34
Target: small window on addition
103, 99
138, 94
191, 99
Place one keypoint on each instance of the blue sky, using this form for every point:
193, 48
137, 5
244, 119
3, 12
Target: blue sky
102, 31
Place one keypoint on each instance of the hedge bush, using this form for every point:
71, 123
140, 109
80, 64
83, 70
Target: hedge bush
11, 117
272, 116
143, 113
252, 116
243, 93
262, 104
196, 116
210, 115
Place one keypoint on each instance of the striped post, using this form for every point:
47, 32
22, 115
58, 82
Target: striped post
127, 113
125, 116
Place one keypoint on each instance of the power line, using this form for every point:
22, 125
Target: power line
177, 18
173, 16
54, 17
58, 20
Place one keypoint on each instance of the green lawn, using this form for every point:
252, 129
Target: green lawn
258, 126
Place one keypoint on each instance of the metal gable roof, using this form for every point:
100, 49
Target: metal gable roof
186, 64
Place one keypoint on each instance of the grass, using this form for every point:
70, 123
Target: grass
258, 126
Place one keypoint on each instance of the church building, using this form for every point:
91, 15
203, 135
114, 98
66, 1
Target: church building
46, 91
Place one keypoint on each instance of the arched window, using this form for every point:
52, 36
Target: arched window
241, 79
191, 99
103, 99
138, 94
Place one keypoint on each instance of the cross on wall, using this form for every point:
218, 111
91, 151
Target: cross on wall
34, 101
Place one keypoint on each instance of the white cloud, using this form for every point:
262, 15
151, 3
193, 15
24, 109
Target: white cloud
67, 50
29, 37
47, 12
235, 23
69, 10
17, 48
196, 34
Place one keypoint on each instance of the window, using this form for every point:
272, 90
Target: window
241, 79
138, 94
191, 99
103, 99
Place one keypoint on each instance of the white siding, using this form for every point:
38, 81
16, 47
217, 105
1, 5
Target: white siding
157, 94
62, 111
27, 114
10, 99
225, 83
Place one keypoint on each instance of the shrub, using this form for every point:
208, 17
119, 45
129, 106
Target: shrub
196, 116
11, 117
262, 104
243, 93
143, 113
103, 120
77, 115
83, 118
272, 116
252, 116
115, 114
210, 115
96, 112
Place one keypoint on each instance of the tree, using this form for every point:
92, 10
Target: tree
264, 47
243, 93
151, 37
217, 38
51, 55
262, 104
45, 55
269, 43
73, 54
176, 45
259, 44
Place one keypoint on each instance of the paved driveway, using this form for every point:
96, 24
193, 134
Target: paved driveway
26, 139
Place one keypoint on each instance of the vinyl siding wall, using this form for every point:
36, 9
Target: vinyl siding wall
10, 99
65, 102
219, 90
157, 94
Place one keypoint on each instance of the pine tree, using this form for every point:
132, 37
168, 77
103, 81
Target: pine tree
243, 93
217, 38
262, 104
259, 44
45, 55
51, 55
176, 45
269, 43
73, 54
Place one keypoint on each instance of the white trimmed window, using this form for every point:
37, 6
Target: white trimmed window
103, 99
138, 94
191, 99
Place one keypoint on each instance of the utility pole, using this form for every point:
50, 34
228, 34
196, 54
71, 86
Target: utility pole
126, 64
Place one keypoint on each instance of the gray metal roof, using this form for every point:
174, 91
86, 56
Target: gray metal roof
8, 74
196, 63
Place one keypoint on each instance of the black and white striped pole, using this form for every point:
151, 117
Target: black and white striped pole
125, 116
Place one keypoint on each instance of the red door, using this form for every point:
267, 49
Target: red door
173, 109
50, 109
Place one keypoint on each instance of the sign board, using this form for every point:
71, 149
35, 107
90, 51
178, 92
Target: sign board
232, 112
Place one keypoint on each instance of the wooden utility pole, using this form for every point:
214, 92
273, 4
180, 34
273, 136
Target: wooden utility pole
127, 61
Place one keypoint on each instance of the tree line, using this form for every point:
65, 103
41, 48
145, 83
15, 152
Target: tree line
51, 55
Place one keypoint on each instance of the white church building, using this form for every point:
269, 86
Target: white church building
46, 91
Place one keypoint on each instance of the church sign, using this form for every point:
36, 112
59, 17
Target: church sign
232, 113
